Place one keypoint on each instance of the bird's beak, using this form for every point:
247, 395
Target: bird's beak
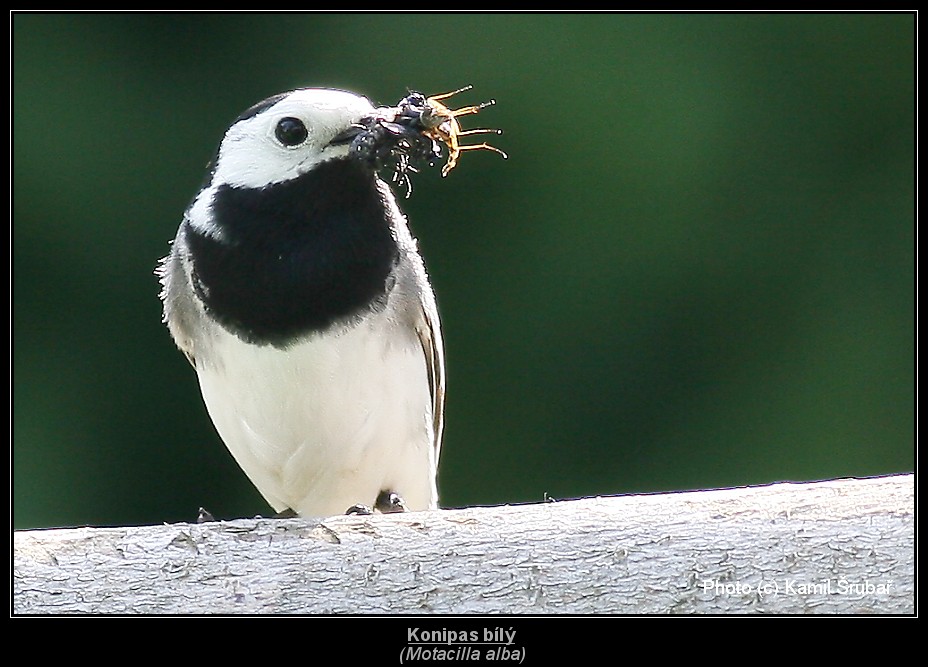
346, 136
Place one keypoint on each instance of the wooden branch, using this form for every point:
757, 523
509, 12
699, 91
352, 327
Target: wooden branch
842, 546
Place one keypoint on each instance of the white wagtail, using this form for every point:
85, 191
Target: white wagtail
297, 292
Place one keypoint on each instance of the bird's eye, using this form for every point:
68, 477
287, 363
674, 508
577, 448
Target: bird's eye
290, 131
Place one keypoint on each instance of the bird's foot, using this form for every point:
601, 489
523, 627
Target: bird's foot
387, 502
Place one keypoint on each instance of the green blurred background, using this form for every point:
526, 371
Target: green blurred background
696, 269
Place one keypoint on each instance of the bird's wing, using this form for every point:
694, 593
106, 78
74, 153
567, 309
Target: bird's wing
430, 337
180, 311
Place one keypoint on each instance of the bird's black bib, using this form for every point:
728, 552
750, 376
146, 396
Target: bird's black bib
295, 257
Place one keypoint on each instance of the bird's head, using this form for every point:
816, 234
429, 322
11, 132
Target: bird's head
287, 135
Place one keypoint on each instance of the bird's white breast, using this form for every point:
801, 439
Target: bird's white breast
329, 422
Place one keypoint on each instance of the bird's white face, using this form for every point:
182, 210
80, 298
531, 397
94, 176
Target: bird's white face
271, 146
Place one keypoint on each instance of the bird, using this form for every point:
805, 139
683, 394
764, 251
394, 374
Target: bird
296, 290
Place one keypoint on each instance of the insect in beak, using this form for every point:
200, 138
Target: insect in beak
395, 140
440, 123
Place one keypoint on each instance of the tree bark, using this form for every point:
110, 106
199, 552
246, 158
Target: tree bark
842, 546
